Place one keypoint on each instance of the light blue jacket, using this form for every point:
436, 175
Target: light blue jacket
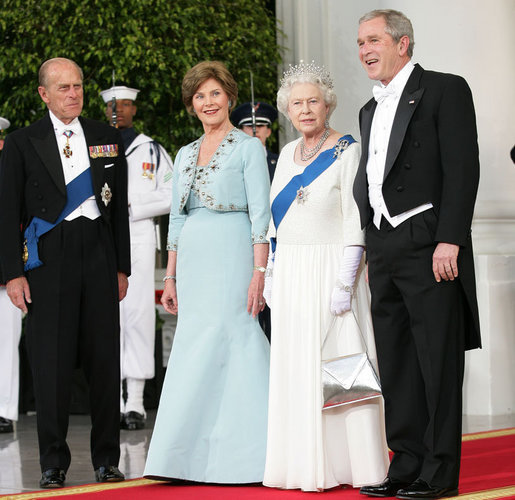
236, 179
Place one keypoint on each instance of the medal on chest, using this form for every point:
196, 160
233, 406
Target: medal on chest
148, 170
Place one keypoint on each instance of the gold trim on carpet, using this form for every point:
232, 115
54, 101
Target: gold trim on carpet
93, 488
77, 490
507, 492
488, 434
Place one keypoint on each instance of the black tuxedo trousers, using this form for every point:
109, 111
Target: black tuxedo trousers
419, 328
73, 319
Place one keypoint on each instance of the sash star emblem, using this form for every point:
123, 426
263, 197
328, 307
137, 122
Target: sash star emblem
302, 195
106, 194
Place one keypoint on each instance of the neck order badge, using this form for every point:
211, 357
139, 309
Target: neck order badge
67, 151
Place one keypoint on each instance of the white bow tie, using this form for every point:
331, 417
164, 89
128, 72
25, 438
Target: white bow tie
381, 93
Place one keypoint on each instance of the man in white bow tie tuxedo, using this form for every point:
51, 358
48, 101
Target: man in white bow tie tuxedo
65, 257
416, 188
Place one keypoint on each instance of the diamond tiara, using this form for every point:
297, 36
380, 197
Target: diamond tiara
303, 69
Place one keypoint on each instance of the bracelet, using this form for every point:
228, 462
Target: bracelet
169, 277
345, 288
261, 269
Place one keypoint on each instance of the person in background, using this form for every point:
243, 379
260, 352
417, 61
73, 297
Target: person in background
318, 295
149, 194
10, 333
416, 188
63, 181
264, 116
4, 125
212, 416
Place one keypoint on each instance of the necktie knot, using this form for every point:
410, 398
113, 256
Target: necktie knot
68, 130
381, 93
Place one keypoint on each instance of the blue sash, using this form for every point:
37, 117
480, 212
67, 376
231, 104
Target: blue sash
77, 191
284, 199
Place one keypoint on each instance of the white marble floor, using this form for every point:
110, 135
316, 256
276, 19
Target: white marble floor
19, 459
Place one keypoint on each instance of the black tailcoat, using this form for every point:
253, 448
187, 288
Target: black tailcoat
73, 316
422, 327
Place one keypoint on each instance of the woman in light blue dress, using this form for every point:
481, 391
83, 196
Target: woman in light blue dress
212, 417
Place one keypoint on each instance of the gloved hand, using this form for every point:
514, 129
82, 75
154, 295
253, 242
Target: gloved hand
344, 289
340, 300
267, 292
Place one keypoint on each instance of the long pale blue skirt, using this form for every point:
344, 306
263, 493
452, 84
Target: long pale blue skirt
212, 418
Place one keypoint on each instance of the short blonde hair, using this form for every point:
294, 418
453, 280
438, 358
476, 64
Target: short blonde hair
203, 71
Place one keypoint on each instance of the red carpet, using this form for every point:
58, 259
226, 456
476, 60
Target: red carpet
487, 472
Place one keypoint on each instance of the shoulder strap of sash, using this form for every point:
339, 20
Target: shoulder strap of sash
285, 197
77, 191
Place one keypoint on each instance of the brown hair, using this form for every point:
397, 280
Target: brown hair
203, 71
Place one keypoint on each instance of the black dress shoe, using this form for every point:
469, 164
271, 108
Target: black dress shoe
108, 474
6, 425
420, 489
52, 478
133, 421
388, 488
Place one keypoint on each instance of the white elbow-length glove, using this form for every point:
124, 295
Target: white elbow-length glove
267, 292
342, 292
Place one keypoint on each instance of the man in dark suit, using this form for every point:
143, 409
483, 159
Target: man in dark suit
63, 181
416, 188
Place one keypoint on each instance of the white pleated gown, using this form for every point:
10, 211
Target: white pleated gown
308, 448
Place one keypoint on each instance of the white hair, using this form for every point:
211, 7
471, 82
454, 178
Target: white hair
306, 73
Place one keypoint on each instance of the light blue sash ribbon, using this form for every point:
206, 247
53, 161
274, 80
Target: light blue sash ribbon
284, 199
77, 191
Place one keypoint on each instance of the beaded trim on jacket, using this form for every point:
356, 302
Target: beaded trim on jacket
199, 176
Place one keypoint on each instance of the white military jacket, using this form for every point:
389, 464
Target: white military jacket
149, 185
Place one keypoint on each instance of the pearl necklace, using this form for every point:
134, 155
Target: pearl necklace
308, 153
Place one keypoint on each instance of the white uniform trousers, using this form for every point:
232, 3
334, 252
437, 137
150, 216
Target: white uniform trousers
137, 312
10, 332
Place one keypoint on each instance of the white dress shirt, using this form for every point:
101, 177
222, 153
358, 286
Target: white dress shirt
77, 163
378, 148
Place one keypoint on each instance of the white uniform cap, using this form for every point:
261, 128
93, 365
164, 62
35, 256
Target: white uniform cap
119, 92
4, 123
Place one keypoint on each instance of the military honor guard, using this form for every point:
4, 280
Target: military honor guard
149, 195
258, 124
10, 331
264, 115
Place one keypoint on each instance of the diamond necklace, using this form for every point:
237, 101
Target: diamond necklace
308, 153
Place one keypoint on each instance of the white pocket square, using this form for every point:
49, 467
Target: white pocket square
109, 165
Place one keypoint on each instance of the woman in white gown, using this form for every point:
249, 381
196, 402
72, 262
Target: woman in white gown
316, 289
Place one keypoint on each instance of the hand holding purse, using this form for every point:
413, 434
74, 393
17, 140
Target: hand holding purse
348, 379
